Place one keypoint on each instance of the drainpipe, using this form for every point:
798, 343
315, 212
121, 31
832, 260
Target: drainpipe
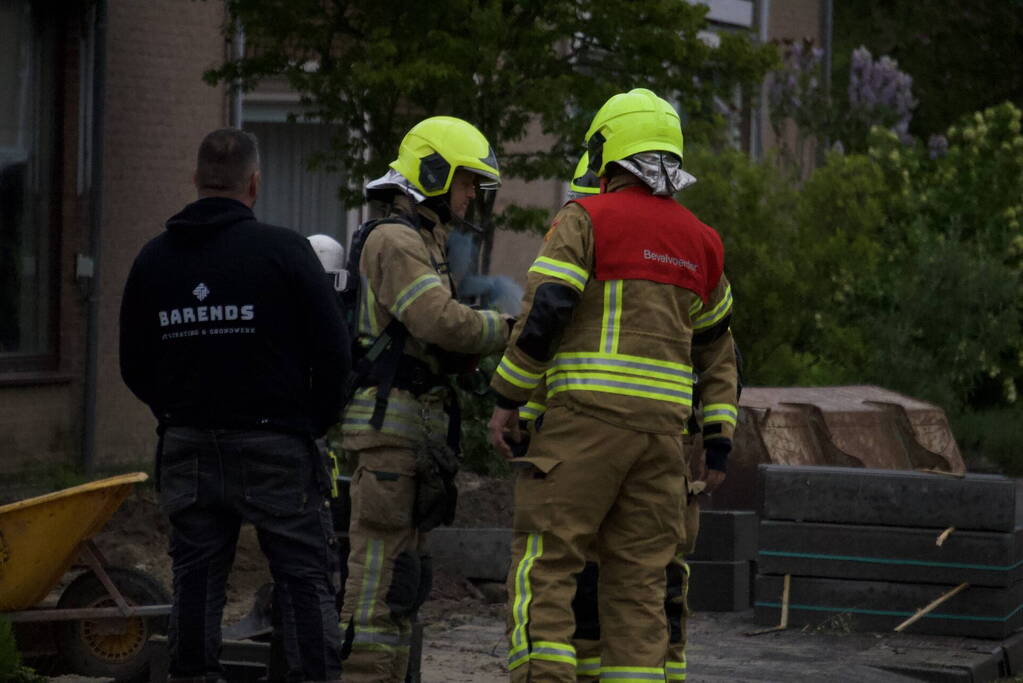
237, 96
95, 234
760, 112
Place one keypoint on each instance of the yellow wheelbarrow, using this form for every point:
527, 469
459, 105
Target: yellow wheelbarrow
104, 618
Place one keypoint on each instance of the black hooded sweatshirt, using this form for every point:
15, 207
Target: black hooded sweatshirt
230, 323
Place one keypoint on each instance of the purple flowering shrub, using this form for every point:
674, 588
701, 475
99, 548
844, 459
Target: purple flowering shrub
879, 94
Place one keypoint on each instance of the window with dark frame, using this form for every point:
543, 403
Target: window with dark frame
27, 193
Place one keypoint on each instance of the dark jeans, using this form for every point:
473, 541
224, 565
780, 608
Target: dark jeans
210, 482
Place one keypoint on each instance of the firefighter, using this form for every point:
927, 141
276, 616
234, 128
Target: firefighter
586, 639
402, 422
626, 296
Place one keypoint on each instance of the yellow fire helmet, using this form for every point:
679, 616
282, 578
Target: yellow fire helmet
630, 123
435, 147
584, 181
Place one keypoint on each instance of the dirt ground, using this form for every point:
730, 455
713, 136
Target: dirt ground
464, 622
464, 628
136, 537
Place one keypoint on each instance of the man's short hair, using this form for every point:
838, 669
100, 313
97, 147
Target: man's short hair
227, 157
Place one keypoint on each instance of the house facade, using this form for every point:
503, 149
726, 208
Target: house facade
102, 109
101, 112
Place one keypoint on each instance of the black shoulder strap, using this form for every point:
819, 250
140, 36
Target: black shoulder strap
382, 357
386, 366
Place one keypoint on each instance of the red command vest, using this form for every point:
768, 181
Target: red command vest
640, 236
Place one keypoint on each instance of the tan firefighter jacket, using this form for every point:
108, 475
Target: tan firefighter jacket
405, 274
630, 349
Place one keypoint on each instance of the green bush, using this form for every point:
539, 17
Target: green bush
991, 437
752, 206
11, 668
477, 404
901, 266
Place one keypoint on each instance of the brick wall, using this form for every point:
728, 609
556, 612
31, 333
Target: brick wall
157, 111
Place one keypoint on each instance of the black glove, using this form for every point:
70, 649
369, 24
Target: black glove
717, 451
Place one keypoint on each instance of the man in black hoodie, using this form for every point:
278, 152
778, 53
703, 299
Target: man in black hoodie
233, 337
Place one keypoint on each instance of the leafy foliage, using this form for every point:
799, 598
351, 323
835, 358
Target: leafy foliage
990, 439
963, 55
11, 668
477, 405
511, 68
899, 266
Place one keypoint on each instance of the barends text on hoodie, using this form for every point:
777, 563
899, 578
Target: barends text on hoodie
202, 314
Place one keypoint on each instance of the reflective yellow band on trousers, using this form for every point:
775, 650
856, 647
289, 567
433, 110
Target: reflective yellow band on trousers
720, 412
379, 639
675, 671
716, 314
631, 673
370, 581
588, 667
513, 374
563, 270
553, 652
519, 650
612, 320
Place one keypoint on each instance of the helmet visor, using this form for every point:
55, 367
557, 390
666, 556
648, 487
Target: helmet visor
485, 180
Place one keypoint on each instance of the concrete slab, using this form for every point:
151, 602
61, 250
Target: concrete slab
880, 606
876, 553
719, 586
844, 495
726, 535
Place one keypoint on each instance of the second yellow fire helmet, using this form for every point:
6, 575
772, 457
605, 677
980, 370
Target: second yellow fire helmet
630, 123
435, 147
584, 181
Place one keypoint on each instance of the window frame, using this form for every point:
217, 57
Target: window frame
44, 366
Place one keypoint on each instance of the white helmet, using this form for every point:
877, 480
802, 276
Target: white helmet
332, 257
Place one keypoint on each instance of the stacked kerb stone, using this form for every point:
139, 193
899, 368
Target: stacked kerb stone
720, 566
866, 549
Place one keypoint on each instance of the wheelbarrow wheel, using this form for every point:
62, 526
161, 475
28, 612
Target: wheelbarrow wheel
116, 648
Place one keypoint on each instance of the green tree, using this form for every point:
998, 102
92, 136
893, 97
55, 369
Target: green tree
752, 206
510, 67
964, 55
901, 266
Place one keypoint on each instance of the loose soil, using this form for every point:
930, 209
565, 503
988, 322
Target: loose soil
464, 622
463, 632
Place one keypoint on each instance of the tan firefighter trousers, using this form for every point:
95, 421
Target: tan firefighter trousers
588, 484
676, 608
385, 580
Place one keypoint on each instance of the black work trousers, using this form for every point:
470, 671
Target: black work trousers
211, 480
